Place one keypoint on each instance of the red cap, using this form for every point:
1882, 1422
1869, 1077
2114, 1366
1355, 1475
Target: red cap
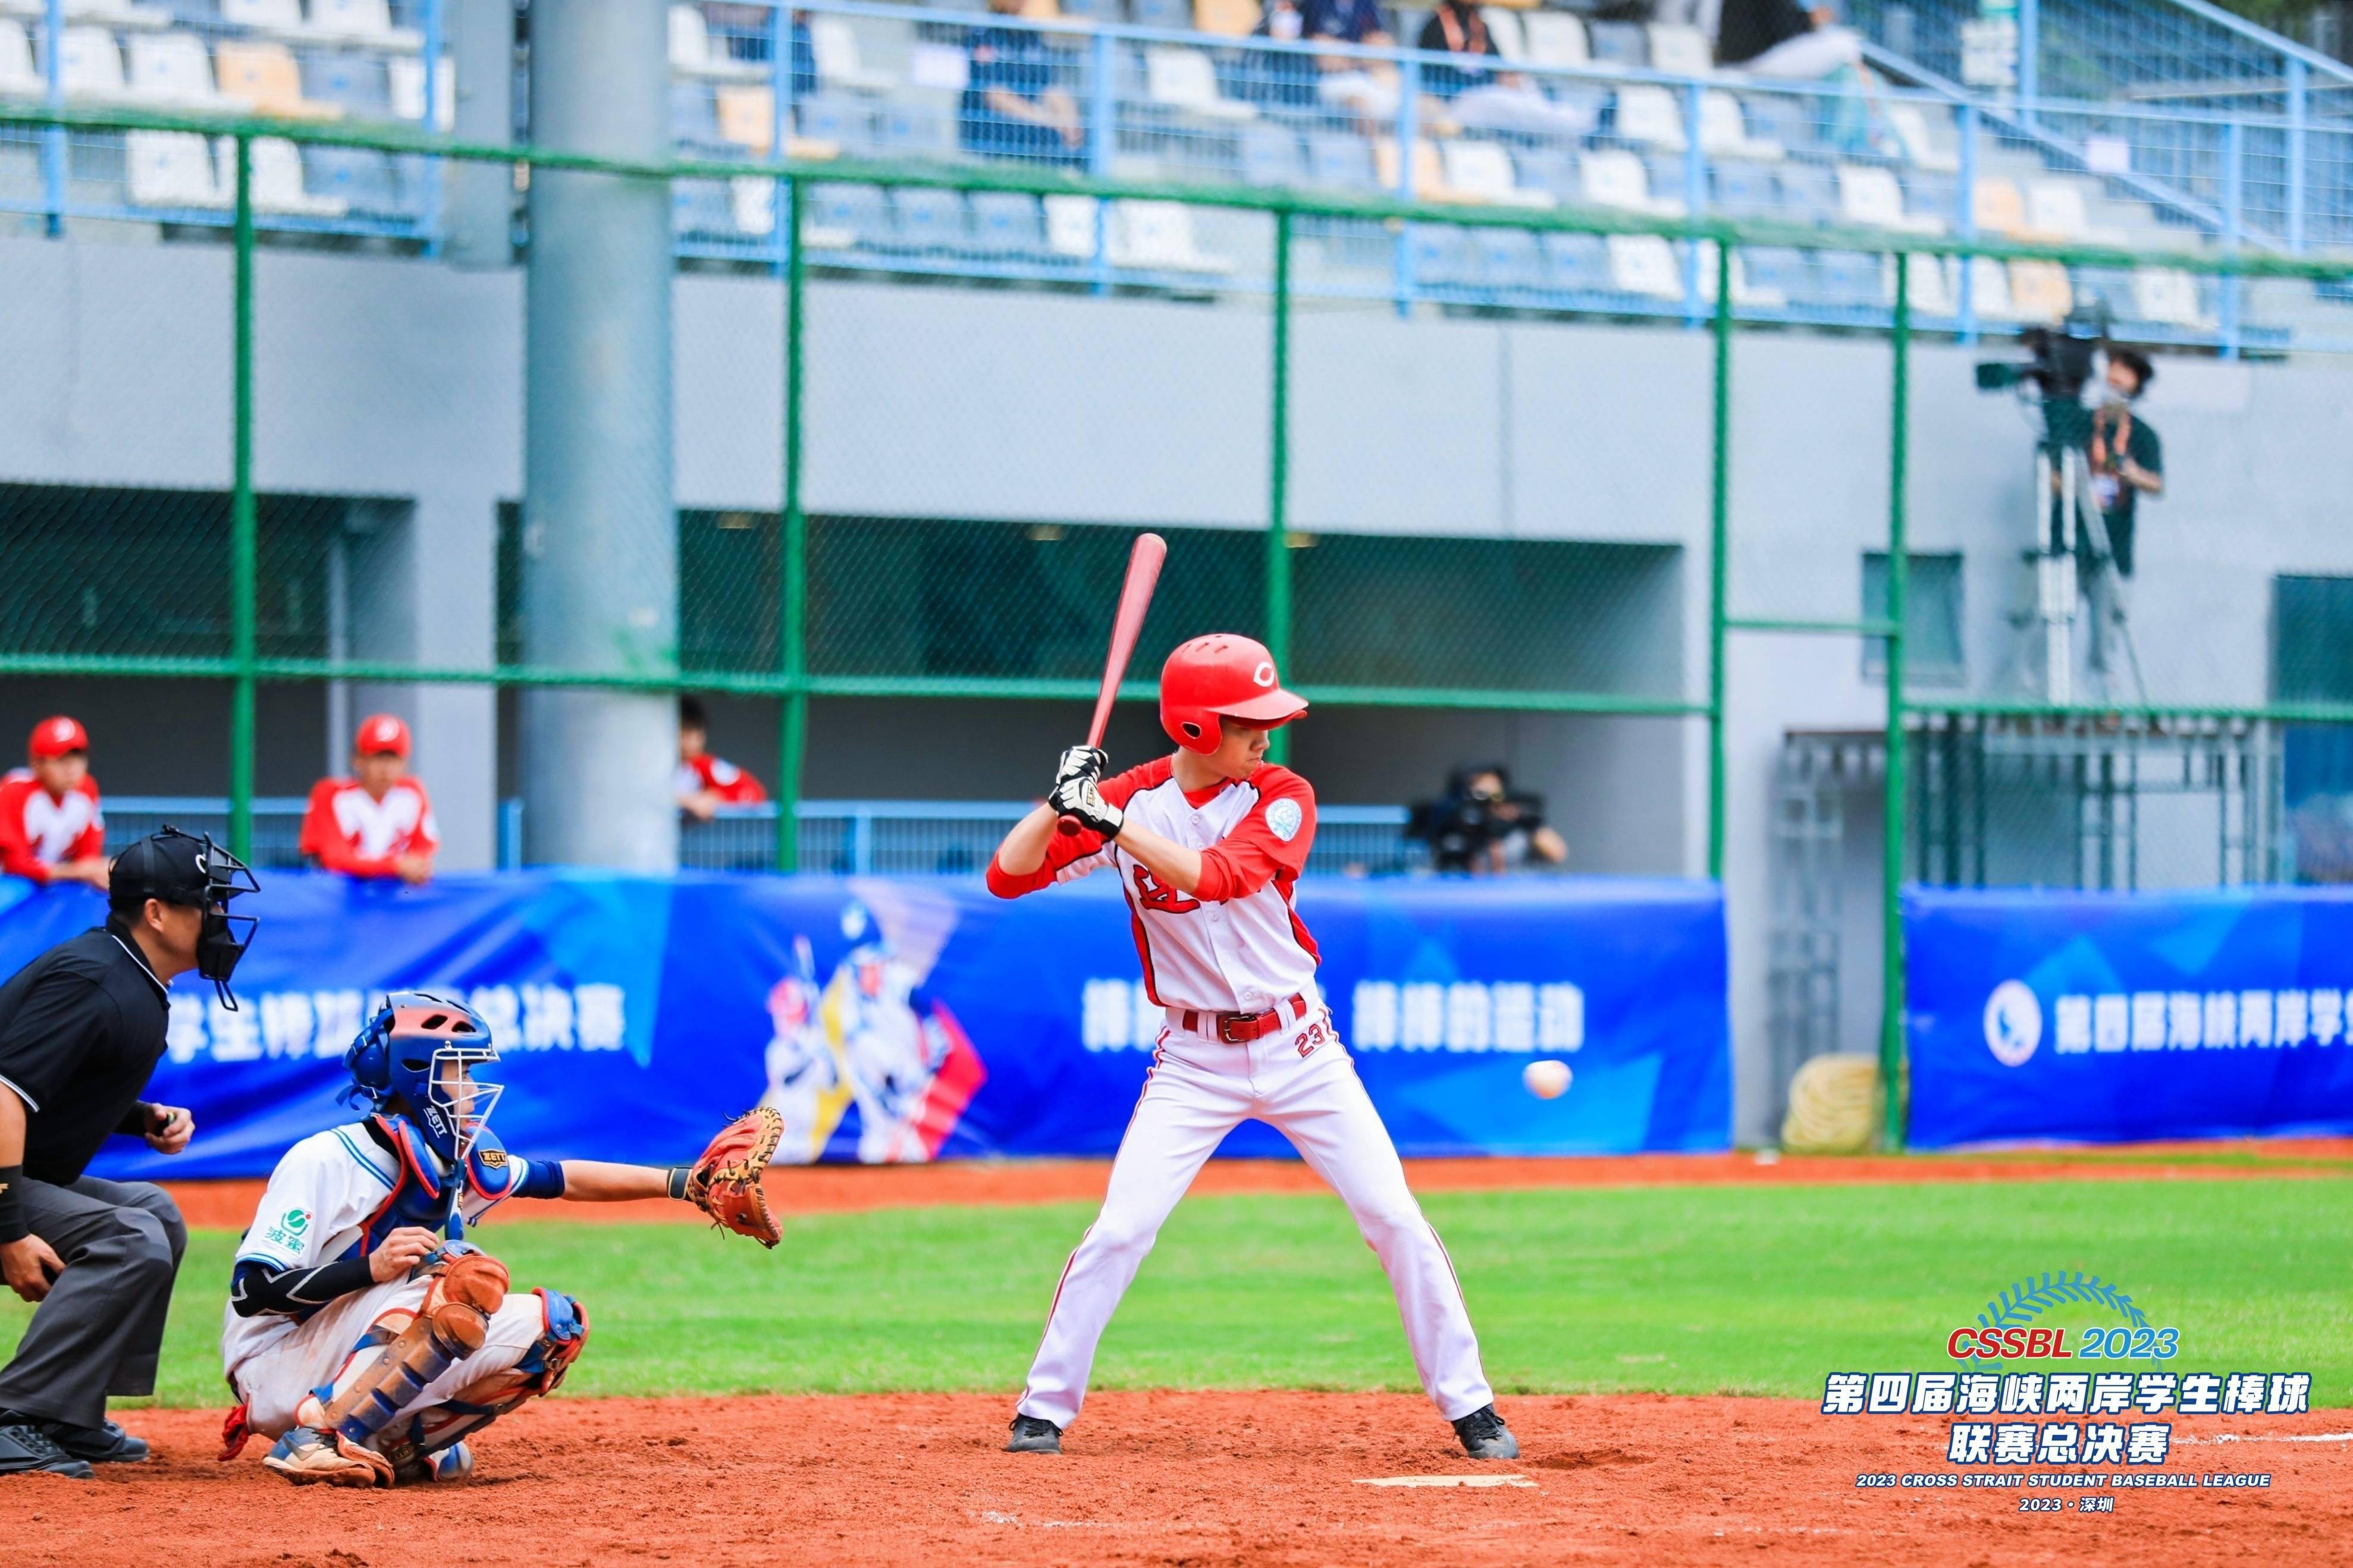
57, 735
1221, 676
381, 732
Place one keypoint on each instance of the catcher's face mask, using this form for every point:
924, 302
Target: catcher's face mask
457, 1104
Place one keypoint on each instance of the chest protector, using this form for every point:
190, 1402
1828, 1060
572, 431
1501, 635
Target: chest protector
420, 1193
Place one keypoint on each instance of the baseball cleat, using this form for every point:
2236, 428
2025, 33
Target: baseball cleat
1032, 1435
25, 1448
1485, 1436
306, 1455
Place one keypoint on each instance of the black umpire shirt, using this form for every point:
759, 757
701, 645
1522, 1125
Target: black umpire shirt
81, 1028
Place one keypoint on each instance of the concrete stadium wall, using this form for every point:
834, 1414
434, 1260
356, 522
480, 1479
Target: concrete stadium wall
397, 384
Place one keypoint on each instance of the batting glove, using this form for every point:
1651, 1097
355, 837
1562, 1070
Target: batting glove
1078, 798
1080, 763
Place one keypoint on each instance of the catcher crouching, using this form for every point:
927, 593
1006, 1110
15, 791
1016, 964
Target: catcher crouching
363, 1333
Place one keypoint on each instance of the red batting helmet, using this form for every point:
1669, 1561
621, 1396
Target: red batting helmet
1221, 676
380, 733
55, 736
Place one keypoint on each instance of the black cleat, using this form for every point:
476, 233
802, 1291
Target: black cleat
106, 1444
1485, 1436
24, 1447
1033, 1435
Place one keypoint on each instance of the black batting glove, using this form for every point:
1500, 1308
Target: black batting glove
1078, 798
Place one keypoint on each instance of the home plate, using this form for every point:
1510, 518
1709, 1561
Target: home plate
1482, 1480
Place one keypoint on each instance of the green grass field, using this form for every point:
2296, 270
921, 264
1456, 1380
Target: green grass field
1750, 1289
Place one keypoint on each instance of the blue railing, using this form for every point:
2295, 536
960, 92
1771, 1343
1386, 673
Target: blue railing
846, 838
1609, 115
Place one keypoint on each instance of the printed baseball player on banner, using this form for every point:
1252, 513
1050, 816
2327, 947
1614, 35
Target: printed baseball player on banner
367, 1345
1206, 844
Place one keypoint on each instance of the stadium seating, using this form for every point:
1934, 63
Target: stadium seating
1613, 177
18, 76
1644, 264
170, 169
1554, 39
267, 76
1870, 195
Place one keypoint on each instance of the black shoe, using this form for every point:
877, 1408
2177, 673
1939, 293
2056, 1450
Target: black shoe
1485, 1436
26, 1447
103, 1445
1033, 1436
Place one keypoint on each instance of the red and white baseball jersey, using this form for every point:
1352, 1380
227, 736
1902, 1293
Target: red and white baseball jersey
347, 829
723, 778
38, 830
1234, 944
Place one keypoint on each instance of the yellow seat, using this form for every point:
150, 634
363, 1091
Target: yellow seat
265, 75
1428, 170
1998, 207
747, 117
2040, 292
1227, 18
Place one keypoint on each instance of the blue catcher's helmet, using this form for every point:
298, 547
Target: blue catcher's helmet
420, 1050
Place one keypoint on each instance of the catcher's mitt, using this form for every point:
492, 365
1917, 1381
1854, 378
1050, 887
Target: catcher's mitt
726, 1182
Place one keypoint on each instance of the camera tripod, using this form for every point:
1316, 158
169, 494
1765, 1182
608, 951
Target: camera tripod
2066, 503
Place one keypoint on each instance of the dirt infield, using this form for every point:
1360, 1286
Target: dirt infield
834, 1189
1192, 1478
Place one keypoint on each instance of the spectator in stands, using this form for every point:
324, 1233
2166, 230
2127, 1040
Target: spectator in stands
2127, 462
1780, 40
1011, 107
1481, 827
1368, 88
1476, 99
379, 821
50, 826
705, 782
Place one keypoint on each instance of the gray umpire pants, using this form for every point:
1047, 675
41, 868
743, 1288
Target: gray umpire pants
101, 1328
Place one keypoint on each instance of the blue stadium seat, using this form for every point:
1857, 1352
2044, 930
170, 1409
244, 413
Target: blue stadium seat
1007, 222
1508, 257
356, 83
361, 176
846, 121
1620, 43
928, 219
693, 118
1779, 267
858, 211
1742, 187
1174, 15
1546, 169
1810, 193
1270, 155
1091, 10
915, 128
1778, 116
1440, 256
1850, 279
1339, 158
1579, 262
701, 210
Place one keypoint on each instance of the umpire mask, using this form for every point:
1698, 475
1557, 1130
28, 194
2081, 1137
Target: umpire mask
195, 873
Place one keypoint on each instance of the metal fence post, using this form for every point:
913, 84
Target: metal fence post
1965, 221
1278, 484
1408, 93
242, 521
1891, 1035
1102, 141
431, 124
1718, 567
2297, 105
792, 628
2234, 202
53, 140
780, 102
2029, 57
1694, 200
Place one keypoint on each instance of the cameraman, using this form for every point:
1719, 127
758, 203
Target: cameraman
2126, 462
1481, 827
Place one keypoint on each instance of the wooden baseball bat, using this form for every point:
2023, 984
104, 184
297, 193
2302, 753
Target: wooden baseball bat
1135, 598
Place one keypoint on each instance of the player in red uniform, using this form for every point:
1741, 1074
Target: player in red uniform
378, 822
1206, 844
50, 827
705, 783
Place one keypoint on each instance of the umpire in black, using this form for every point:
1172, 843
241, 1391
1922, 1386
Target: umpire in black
81, 1028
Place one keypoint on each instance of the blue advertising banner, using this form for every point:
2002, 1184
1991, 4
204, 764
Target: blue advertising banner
2105, 1017
895, 1020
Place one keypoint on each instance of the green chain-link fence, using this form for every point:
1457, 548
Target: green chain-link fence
818, 564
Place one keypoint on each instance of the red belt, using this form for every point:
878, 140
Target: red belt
1240, 1028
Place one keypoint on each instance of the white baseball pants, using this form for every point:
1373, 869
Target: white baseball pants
1199, 1090
274, 1382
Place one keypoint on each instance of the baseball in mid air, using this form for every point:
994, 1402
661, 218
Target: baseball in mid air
1546, 1080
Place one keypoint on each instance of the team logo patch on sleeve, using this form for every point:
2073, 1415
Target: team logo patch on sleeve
1283, 819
